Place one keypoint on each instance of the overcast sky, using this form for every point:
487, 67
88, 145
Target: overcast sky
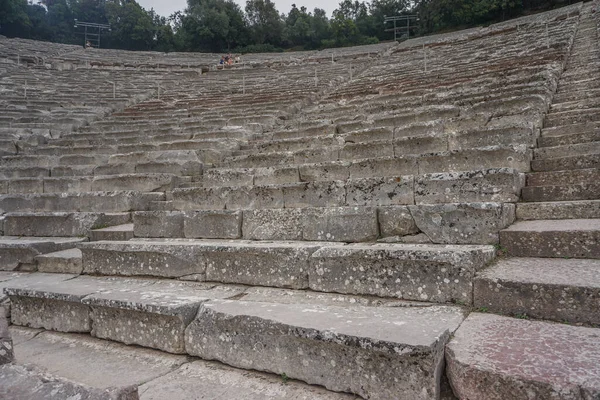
168, 7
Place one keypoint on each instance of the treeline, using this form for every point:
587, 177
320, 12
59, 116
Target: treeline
222, 25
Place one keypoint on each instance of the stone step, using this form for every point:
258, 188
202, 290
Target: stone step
544, 288
586, 209
117, 232
573, 116
586, 161
103, 202
355, 350
451, 223
62, 262
584, 191
469, 186
494, 357
28, 382
60, 223
493, 156
324, 340
575, 138
18, 253
436, 271
568, 177
576, 95
567, 150
23, 172
583, 127
576, 238
154, 375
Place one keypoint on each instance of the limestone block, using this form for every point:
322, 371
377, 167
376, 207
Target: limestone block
62, 262
211, 198
25, 382
68, 185
419, 145
69, 356
332, 171
356, 151
26, 185
18, 253
151, 316
562, 290
227, 177
315, 194
340, 224
60, 223
515, 157
384, 167
165, 258
380, 191
487, 359
212, 224
396, 221
463, 223
277, 264
273, 224
276, 176
492, 185
253, 197
358, 349
438, 273
158, 224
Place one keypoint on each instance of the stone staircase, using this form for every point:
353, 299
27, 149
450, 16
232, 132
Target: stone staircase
550, 269
316, 239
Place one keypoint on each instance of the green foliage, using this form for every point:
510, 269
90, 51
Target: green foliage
221, 25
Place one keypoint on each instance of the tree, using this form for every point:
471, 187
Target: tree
211, 25
266, 25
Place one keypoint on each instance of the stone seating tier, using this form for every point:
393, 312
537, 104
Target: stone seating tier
336, 230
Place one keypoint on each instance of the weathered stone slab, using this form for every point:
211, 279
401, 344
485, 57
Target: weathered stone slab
97, 363
278, 264
18, 253
212, 224
559, 210
463, 223
491, 185
62, 262
339, 224
314, 194
438, 273
60, 223
331, 171
496, 358
117, 232
153, 315
515, 157
106, 202
49, 303
578, 238
25, 382
380, 191
228, 177
357, 349
163, 258
273, 224
215, 379
545, 288
158, 224
396, 221
383, 167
